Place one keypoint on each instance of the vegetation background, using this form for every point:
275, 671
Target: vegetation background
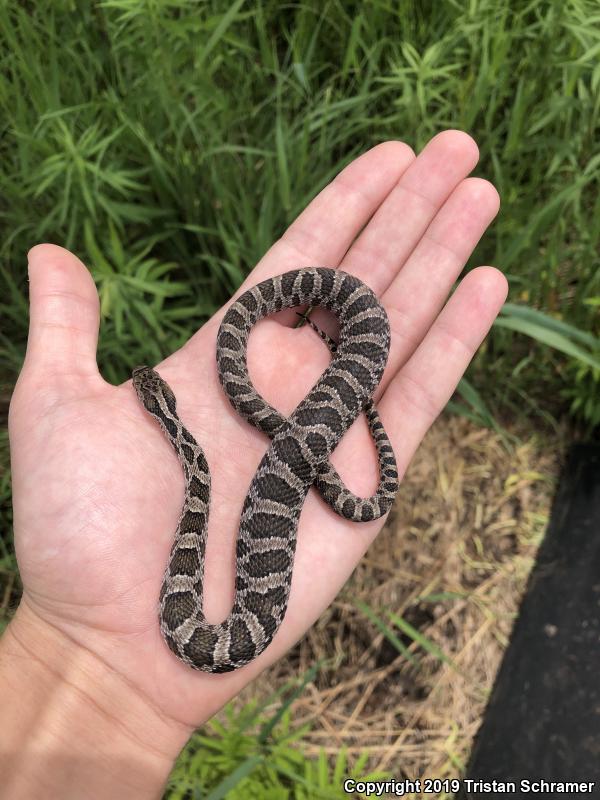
170, 142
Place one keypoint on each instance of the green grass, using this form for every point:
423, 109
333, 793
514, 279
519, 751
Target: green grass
185, 136
257, 753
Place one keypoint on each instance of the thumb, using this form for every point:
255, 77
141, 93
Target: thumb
64, 314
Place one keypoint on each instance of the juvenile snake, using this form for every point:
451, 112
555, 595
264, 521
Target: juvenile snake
298, 457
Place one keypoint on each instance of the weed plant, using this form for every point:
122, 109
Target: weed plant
170, 143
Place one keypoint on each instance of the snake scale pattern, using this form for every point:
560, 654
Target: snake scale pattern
297, 458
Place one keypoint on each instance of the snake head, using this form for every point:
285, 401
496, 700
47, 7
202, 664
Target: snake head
145, 379
149, 386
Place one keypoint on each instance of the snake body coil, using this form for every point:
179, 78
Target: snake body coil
297, 458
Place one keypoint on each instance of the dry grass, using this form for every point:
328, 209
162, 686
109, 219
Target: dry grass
453, 561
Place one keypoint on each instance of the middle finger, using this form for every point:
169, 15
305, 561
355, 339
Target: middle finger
379, 254
400, 222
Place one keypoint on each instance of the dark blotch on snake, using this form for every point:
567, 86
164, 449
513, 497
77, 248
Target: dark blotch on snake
346, 289
200, 489
188, 453
261, 603
265, 618
355, 369
322, 397
287, 283
307, 283
241, 641
171, 402
288, 450
192, 522
361, 328
228, 364
348, 508
271, 423
262, 525
327, 282
251, 406
367, 513
178, 606
317, 443
345, 392
185, 561
200, 643
227, 340
261, 565
241, 586
323, 415
188, 437
242, 548
247, 301
268, 623
266, 290
234, 389
235, 318
362, 303
330, 490
166, 421
368, 350
272, 487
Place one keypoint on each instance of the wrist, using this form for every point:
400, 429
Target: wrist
70, 723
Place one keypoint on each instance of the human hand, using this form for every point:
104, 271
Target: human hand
97, 488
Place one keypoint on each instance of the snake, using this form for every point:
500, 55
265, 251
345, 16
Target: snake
296, 459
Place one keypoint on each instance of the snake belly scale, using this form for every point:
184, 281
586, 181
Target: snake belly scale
297, 458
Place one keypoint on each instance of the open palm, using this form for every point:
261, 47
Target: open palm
97, 488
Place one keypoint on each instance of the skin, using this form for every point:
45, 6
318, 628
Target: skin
85, 678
